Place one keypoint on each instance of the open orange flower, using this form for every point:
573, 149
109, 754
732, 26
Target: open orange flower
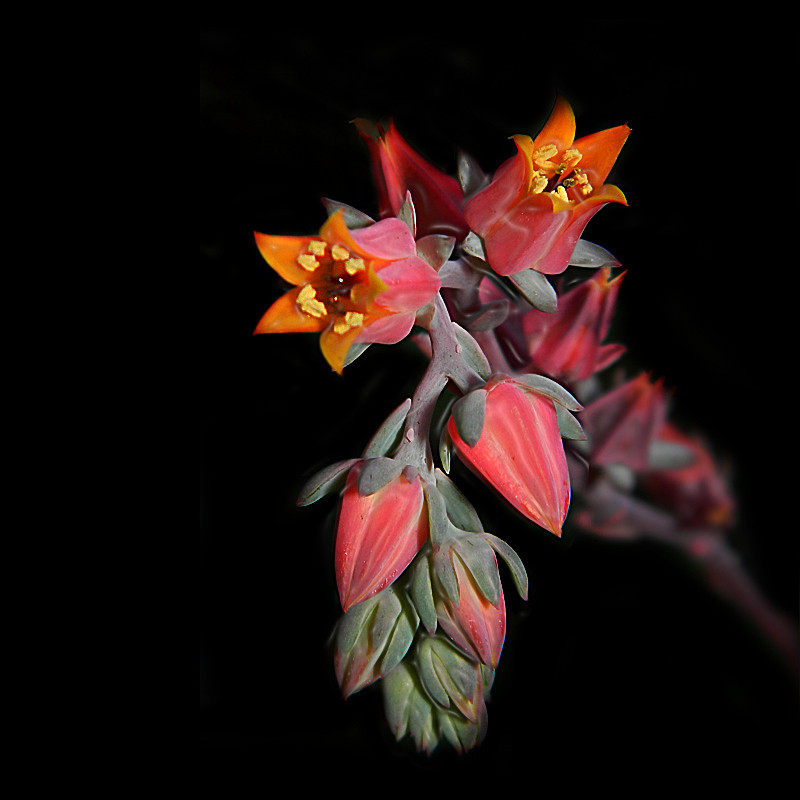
362, 285
534, 210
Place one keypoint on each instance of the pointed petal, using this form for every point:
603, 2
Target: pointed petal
390, 329
284, 316
281, 253
335, 346
559, 128
600, 150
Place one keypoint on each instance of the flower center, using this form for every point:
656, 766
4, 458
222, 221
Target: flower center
556, 176
336, 287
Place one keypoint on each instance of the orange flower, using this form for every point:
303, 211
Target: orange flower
534, 210
362, 285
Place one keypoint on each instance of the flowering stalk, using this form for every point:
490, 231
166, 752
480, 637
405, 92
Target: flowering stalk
519, 366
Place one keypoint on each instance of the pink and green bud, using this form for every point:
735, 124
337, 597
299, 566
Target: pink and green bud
372, 638
398, 169
470, 606
518, 449
382, 525
567, 344
623, 423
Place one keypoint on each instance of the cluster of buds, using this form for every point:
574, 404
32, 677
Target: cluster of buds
467, 266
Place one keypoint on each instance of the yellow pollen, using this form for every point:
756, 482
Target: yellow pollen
317, 247
539, 183
307, 302
307, 262
352, 319
582, 180
572, 157
353, 265
562, 193
542, 155
340, 253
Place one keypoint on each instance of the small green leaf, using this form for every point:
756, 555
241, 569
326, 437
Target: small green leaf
460, 511
420, 589
568, 425
536, 289
513, 562
408, 214
387, 437
549, 388
488, 317
591, 256
471, 352
376, 473
468, 415
326, 481
445, 448
473, 246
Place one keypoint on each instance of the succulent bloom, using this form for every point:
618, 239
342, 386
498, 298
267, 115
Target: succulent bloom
696, 493
534, 210
623, 423
362, 285
520, 452
566, 344
474, 624
378, 535
397, 168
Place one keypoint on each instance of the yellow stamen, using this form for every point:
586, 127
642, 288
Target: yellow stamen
353, 265
572, 157
582, 179
307, 262
340, 253
542, 155
562, 193
317, 247
352, 319
308, 303
539, 182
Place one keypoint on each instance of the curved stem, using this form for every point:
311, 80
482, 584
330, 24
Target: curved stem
446, 364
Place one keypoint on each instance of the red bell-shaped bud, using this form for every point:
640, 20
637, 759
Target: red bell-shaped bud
379, 532
519, 451
398, 169
470, 606
623, 423
567, 344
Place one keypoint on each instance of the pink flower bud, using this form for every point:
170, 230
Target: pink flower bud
398, 169
378, 535
566, 344
520, 452
623, 423
474, 624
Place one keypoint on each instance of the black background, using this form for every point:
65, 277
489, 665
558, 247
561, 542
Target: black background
622, 669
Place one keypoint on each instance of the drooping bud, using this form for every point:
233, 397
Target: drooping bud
567, 344
470, 606
398, 170
520, 452
378, 533
623, 423
372, 638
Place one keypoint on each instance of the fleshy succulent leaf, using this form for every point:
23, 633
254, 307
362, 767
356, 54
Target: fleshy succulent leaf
376, 473
550, 388
514, 563
592, 256
386, 438
326, 481
468, 415
536, 289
